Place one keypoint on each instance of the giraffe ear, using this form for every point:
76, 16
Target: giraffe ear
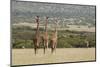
47, 17
36, 17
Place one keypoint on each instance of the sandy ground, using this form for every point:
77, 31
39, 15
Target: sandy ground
27, 56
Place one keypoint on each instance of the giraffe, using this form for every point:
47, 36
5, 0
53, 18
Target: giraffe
86, 40
37, 39
45, 36
87, 43
53, 39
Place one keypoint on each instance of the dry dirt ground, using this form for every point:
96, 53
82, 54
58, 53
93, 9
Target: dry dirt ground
27, 56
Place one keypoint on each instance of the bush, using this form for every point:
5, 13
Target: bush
23, 44
66, 39
62, 43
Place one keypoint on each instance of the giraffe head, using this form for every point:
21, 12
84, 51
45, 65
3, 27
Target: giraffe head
56, 21
37, 19
47, 17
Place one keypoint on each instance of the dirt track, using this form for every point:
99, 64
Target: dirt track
27, 56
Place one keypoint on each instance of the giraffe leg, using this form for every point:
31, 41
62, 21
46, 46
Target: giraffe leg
35, 49
52, 48
47, 44
44, 50
55, 46
44, 47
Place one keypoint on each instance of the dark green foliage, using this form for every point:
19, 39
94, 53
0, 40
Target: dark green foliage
19, 43
66, 39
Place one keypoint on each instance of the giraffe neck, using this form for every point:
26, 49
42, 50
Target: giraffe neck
56, 31
37, 30
46, 26
37, 21
56, 27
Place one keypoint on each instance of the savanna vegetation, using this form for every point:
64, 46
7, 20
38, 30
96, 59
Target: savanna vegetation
22, 38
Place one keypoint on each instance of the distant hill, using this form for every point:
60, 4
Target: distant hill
26, 12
